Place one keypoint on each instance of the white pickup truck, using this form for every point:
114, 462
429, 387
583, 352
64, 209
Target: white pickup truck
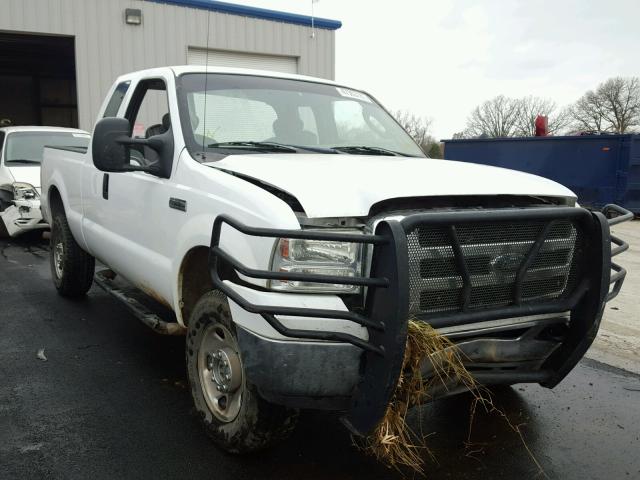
294, 227
20, 156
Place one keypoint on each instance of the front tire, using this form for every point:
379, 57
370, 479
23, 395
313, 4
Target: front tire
230, 407
72, 268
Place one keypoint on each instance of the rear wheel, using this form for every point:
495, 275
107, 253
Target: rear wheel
231, 409
71, 267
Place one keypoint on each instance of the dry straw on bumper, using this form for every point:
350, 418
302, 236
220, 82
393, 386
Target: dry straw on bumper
393, 442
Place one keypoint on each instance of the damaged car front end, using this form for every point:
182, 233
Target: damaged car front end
21, 152
20, 209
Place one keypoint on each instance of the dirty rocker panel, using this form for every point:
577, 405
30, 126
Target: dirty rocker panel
386, 309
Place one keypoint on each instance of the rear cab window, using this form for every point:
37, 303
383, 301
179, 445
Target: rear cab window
116, 99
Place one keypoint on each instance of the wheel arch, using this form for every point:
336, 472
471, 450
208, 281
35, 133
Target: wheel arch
55, 204
194, 281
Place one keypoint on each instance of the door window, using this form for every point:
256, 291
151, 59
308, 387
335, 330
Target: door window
148, 115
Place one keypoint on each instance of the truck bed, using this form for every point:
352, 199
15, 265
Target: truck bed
66, 162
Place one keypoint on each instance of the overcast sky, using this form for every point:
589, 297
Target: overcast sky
441, 58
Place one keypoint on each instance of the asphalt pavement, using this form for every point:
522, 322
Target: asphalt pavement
111, 402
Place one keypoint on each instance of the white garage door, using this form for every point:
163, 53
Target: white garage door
221, 58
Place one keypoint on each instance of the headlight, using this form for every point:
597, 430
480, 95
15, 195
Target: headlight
24, 191
317, 257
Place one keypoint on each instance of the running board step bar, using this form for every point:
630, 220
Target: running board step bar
104, 279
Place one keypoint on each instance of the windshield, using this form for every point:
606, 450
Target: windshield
244, 113
25, 148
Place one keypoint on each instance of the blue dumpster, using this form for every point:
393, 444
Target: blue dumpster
600, 169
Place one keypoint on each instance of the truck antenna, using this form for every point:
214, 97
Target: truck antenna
313, 19
206, 77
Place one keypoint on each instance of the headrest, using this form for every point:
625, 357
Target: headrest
288, 124
166, 121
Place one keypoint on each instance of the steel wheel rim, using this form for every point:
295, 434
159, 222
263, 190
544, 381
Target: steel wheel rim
58, 255
222, 385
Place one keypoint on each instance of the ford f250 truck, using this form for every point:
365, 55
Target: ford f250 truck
294, 227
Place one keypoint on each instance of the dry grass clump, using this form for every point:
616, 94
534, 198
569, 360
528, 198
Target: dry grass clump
393, 442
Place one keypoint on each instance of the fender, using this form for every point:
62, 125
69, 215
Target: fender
55, 178
73, 217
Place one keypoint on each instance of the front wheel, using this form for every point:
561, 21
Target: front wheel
231, 409
71, 267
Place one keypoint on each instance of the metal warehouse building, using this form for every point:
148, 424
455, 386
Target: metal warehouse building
58, 58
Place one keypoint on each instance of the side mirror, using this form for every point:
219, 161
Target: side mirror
109, 152
111, 148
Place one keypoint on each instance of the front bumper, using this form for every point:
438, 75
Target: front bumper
23, 216
531, 350
301, 374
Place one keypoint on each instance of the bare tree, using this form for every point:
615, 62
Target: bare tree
529, 109
614, 106
497, 117
435, 150
417, 127
588, 113
621, 100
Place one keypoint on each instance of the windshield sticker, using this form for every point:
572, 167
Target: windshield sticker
346, 92
81, 135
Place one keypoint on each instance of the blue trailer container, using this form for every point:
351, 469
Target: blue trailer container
600, 169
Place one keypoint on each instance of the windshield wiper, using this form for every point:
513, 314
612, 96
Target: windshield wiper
281, 147
22, 160
366, 150
266, 146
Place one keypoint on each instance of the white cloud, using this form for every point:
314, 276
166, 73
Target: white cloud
441, 58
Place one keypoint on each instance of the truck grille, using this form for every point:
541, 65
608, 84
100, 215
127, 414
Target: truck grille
490, 256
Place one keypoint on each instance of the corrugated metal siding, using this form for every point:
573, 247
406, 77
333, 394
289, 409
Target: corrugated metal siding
106, 47
258, 61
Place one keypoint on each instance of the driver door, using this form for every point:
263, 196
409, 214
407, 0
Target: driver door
127, 228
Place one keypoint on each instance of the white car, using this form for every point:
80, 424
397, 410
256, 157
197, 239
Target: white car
294, 227
20, 157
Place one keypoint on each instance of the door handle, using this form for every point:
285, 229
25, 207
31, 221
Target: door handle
178, 204
105, 186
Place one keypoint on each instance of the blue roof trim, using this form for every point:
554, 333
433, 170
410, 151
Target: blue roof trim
255, 12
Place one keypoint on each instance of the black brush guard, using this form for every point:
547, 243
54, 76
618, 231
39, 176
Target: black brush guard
385, 314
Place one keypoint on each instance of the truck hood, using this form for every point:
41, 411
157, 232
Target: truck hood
348, 185
26, 174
